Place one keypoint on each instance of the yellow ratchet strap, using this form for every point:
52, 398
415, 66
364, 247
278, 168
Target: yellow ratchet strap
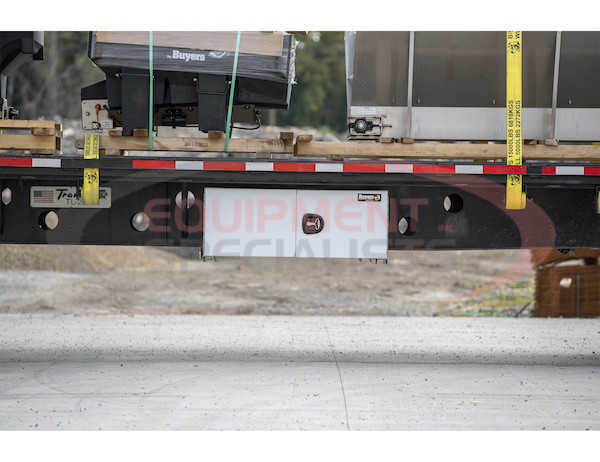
515, 197
90, 193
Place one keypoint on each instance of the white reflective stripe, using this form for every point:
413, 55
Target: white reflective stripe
470, 169
398, 168
189, 165
259, 166
329, 168
52, 163
569, 170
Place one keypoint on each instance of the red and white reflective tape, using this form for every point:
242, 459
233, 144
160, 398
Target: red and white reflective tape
30, 162
570, 170
320, 167
331, 167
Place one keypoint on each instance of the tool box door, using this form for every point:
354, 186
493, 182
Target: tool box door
342, 224
249, 222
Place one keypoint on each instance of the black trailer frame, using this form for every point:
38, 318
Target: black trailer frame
433, 205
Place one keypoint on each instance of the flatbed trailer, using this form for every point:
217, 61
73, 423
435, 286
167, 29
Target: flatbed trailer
430, 204
373, 194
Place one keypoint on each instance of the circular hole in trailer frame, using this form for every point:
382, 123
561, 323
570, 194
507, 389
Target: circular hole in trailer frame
140, 222
408, 226
453, 203
48, 220
191, 199
6, 196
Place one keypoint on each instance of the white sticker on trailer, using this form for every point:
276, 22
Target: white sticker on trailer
366, 111
65, 197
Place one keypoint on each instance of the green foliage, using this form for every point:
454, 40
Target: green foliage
319, 98
52, 87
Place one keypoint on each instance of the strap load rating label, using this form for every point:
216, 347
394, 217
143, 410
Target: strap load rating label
90, 192
515, 197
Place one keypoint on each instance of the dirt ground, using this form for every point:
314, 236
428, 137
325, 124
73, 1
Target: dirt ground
111, 279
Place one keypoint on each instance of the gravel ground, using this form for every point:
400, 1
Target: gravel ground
144, 280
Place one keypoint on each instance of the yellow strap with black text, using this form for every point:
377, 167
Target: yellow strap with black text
90, 193
515, 197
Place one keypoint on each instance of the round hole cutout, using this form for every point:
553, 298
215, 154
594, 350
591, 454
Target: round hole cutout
453, 203
191, 199
140, 222
6, 196
48, 220
408, 226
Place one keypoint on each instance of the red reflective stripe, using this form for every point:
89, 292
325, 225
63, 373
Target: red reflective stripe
154, 164
548, 170
364, 168
516, 169
505, 169
293, 167
425, 168
591, 170
14, 162
220, 165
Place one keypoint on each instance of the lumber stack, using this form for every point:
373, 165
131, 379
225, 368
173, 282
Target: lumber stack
408, 149
115, 144
305, 146
36, 136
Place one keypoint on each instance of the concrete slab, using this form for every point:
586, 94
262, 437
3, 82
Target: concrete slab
297, 373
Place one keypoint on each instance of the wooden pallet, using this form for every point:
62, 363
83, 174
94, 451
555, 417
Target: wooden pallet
115, 144
306, 147
568, 291
37, 136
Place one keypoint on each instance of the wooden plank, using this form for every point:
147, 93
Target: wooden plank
46, 132
286, 135
59, 144
305, 138
45, 151
143, 132
216, 135
110, 152
131, 143
443, 150
27, 142
260, 43
22, 124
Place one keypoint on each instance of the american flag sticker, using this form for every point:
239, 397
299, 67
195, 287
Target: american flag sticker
66, 197
43, 197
